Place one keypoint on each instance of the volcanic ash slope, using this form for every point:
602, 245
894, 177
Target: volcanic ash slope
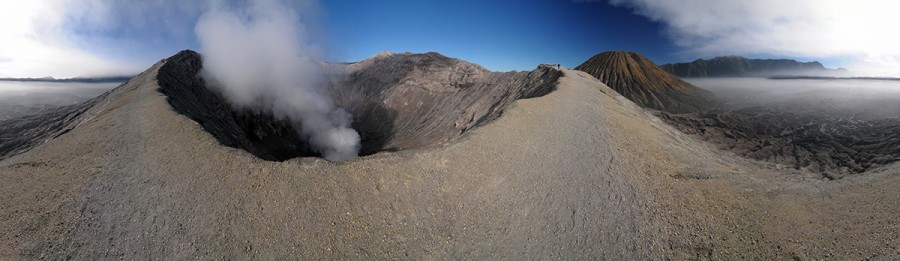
579, 173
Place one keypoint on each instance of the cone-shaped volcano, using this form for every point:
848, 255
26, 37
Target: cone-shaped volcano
639, 79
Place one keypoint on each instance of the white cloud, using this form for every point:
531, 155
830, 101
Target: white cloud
33, 44
70, 38
863, 30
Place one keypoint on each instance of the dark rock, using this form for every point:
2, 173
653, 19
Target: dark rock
256, 132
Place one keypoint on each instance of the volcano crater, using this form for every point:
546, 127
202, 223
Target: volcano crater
397, 102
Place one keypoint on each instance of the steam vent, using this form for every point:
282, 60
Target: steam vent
398, 102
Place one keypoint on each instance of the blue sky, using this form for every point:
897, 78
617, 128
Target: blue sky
68, 38
500, 35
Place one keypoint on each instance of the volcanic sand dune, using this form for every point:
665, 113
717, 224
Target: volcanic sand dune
579, 173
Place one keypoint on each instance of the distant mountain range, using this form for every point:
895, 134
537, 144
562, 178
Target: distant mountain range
737, 66
833, 78
640, 80
76, 79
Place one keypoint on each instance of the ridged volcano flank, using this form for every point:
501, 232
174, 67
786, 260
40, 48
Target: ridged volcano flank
639, 79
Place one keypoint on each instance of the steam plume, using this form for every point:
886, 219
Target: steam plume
259, 60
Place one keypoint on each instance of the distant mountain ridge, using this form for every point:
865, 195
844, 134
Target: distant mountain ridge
76, 79
737, 66
640, 80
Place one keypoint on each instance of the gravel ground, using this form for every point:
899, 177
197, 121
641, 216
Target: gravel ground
580, 173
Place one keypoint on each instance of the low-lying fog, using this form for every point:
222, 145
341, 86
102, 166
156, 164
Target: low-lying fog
878, 98
23, 98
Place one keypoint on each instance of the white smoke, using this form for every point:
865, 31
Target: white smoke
259, 59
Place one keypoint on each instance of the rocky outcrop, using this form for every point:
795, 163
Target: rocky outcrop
736, 66
640, 80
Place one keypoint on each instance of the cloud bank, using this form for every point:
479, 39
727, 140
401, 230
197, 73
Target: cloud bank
71, 38
260, 58
862, 32
33, 45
